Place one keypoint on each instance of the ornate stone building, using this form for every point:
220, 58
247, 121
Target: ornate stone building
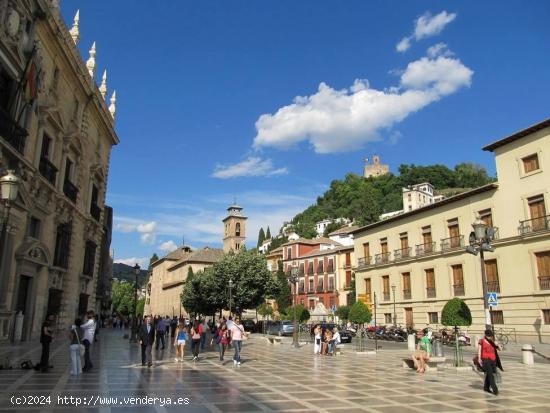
56, 134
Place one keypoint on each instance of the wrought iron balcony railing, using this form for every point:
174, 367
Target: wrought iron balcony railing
493, 286
383, 258
430, 292
407, 294
534, 225
544, 283
320, 288
70, 190
423, 249
452, 242
14, 134
458, 290
386, 296
402, 254
47, 170
364, 261
320, 270
95, 212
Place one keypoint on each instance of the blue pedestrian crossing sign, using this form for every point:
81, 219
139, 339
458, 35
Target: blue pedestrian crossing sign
333, 308
492, 299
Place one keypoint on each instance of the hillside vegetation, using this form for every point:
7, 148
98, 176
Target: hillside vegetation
364, 199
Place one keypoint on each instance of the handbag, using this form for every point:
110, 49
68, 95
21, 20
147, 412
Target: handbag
80, 345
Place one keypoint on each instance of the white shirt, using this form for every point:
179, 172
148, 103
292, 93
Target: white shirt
229, 324
336, 337
89, 330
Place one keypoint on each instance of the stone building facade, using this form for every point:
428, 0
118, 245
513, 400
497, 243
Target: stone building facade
56, 134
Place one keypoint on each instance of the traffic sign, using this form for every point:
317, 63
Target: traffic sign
492, 299
333, 308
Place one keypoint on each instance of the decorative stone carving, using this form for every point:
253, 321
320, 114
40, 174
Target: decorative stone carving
13, 21
90, 64
75, 30
103, 86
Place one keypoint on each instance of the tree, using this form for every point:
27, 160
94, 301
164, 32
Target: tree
190, 274
265, 310
343, 312
471, 175
283, 297
268, 233
122, 294
456, 313
302, 313
153, 259
261, 237
359, 313
352, 292
140, 306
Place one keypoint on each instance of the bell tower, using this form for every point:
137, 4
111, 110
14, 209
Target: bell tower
234, 232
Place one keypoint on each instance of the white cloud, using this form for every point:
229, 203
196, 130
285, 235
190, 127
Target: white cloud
426, 26
252, 166
439, 49
342, 120
403, 45
143, 262
168, 246
146, 229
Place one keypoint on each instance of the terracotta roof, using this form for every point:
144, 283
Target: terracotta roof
276, 251
314, 241
518, 135
204, 255
446, 201
344, 230
323, 252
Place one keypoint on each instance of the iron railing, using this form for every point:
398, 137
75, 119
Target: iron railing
422, 249
493, 286
452, 242
458, 290
544, 283
364, 261
95, 212
407, 294
14, 134
430, 292
534, 225
383, 258
402, 254
70, 190
386, 296
47, 170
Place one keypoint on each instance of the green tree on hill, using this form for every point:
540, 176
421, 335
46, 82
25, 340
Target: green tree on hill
268, 233
261, 237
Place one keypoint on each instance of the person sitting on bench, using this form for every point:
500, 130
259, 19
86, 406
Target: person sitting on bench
422, 353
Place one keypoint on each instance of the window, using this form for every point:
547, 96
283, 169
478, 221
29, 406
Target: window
458, 280
366, 250
387, 318
406, 285
237, 246
320, 267
46, 167
348, 279
427, 238
497, 317
368, 286
491, 272
331, 283
537, 212
238, 229
34, 228
332, 302
95, 212
384, 245
530, 163
433, 318
62, 245
386, 287
430, 283
543, 267
348, 259
310, 289
330, 265
454, 232
89, 258
312, 304
486, 216
301, 270
310, 268
404, 241
289, 253
546, 316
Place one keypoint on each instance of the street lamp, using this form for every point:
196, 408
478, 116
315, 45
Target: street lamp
9, 188
394, 312
230, 297
137, 271
293, 279
480, 241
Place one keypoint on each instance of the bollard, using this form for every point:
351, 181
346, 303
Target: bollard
438, 349
411, 342
528, 354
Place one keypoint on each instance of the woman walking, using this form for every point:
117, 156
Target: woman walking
75, 336
488, 359
222, 339
317, 333
196, 340
179, 341
237, 332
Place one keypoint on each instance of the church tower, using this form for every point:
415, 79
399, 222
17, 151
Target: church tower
234, 235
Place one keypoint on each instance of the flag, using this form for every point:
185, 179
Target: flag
31, 82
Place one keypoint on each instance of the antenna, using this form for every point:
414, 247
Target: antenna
183, 240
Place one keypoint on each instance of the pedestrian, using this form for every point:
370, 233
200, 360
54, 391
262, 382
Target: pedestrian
173, 326
167, 325
222, 339
317, 331
196, 340
96, 330
422, 352
46, 337
89, 329
203, 330
336, 339
161, 330
179, 342
75, 337
146, 340
237, 332
489, 360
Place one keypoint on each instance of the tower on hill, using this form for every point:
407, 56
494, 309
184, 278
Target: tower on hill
375, 168
234, 237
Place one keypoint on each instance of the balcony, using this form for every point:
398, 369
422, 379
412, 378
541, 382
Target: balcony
301, 290
95, 212
383, 258
423, 249
402, 254
544, 283
407, 294
534, 225
320, 270
320, 288
386, 296
330, 288
452, 243
311, 290
458, 290
493, 286
47, 170
430, 292
14, 134
70, 190
364, 262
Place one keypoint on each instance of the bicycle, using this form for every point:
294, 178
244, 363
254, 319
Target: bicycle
502, 337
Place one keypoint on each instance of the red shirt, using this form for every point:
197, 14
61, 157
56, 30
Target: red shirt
487, 350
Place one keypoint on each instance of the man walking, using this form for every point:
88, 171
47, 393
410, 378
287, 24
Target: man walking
89, 330
46, 336
161, 330
146, 340
203, 329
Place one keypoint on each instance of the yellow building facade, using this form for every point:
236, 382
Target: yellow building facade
416, 262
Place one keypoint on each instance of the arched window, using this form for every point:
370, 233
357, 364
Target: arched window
238, 229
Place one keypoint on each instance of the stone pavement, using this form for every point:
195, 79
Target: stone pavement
271, 378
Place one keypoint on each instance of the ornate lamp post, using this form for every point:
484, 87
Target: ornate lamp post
394, 312
9, 188
293, 279
137, 271
230, 296
480, 241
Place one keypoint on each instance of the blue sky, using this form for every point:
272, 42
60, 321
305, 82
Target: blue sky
207, 107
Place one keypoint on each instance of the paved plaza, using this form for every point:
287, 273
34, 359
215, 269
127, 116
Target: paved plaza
271, 378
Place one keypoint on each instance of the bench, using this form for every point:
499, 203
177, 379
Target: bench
431, 365
274, 340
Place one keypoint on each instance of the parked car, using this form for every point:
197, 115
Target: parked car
280, 328
345, 335
249, 325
